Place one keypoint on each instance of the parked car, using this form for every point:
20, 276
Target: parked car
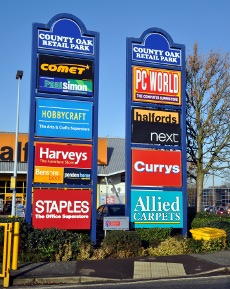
206, 208
108, 210
228, 210
221, 211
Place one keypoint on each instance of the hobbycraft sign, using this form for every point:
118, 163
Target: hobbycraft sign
64, 118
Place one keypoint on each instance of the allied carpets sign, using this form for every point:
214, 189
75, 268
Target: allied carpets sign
65, 75
66, 156
156, 85
62, 209
163, 209
156, 168
63, 118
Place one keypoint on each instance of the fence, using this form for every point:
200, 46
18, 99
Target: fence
7, 248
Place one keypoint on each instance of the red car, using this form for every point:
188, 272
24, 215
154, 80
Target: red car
221, 212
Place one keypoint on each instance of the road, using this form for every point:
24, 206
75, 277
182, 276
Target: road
188, 283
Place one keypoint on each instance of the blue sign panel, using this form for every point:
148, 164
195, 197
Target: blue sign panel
156, 209
65, 35
63, 118
156, 49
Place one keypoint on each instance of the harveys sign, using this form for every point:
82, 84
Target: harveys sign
67, 156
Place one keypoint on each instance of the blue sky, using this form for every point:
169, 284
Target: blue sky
186, 21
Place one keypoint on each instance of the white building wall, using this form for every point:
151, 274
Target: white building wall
110, 193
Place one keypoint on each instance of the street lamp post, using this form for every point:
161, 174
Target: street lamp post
18, 77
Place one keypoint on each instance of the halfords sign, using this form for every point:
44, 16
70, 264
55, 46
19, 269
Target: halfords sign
63, 209
160, 127
151, 209
156, 168
67, 156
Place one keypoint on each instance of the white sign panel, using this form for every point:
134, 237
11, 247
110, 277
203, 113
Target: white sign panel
116, 223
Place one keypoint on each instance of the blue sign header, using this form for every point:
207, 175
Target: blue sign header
65, 35
155, 48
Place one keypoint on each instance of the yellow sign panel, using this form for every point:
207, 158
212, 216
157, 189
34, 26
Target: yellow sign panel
156, 116
52, 175
12, 183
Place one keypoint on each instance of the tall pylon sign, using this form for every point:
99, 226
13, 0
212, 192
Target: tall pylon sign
63, 128
156, 132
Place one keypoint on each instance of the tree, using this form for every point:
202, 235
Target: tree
208, 116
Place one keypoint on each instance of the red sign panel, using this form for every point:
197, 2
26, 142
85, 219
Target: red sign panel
67, 156
156, 85
156, 168
62, 209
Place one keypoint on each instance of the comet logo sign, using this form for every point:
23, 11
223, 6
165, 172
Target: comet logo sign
156, 168
68, 156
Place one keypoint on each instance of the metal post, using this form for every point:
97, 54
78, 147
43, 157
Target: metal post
18, 77
15, 246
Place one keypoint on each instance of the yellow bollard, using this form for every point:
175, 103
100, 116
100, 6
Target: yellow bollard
7, 250
15, 246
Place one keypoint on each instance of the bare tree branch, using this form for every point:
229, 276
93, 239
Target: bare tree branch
208, 115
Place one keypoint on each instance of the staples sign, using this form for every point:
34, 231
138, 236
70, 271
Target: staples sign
67, 156
62, 209
156, 168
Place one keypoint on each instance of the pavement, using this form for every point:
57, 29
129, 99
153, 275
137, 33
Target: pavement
115, 270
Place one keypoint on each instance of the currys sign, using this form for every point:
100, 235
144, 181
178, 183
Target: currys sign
65, 35
67, 156
156, 49
156, 168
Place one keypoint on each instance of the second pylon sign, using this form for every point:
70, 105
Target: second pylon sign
156, 130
